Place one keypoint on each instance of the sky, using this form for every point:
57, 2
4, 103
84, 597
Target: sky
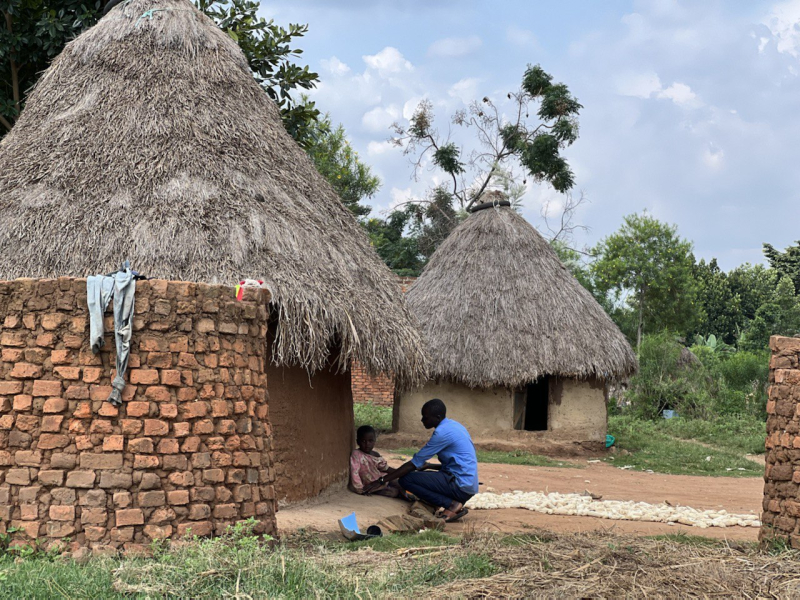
691, 108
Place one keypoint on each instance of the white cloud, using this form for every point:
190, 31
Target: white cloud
465, 90
334, 66
411, 105
387, 62
377, 148
784, 23
380, 118
713, 157
399, 196
679, 93
455, 47
520, 37
639, 85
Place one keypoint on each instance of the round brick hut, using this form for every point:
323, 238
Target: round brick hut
148, 140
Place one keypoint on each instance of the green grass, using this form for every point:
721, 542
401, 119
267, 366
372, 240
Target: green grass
657, 446
516, 457
741, 434
379, 417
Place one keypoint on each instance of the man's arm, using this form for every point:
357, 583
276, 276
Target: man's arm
404, 469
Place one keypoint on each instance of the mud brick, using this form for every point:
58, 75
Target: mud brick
71, 373
179, 344
196, 528
28, 512
178, 497
80, 479
181, 429
12, 322
76, 426
215, 443
168, 411
158, 393
184, 479
54, 405
28, 458
225, 511
242, 493
47, 388
137, 409
194, 410
61, 357
213, 475
77, 392
144, 461
46, 340
187, 394
155, 427
158, 532
62, 460
52, 423
782, 472
140, 446
15, 339
204, 427
171, 378
50, 441
167, 446
201, 460
113, 443
174, 462
150, 481
159, 360
94, 534
11, 355
115, 480
108, 410
227, 427
122, 534
57, 529
185, 360
92, 374
131, 426
52, 321
84, 442
83, 410
122, 499
51, 477
29, 494
62, 513
151, 499
27, 422
6, 422
187, 378
9, 388
162, 515
191, 444
99, 393
152, 344
26, 371
63, 495
144, 376
101, 426
18, 476
237, 476
221, 459
198, 512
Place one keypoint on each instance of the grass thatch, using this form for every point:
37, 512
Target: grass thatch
148, 139
498, 308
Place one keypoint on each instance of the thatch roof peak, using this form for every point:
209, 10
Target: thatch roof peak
148, 139
498, 308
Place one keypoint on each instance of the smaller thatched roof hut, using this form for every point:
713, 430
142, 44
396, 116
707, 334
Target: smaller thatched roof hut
514, 340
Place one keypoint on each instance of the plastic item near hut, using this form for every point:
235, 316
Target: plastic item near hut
610, 439
349, 527
669, 414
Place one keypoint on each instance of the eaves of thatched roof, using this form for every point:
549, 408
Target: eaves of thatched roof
147, 139
498, 308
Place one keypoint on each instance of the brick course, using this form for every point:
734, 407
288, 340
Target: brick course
177, 457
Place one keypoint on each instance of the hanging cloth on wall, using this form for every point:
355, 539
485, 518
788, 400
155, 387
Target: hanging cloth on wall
100, 289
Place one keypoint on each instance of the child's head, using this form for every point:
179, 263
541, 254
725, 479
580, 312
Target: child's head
365, 438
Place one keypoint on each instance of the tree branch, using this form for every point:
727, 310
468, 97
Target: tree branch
5, 123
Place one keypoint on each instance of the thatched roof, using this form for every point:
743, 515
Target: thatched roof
498, 308
148, 139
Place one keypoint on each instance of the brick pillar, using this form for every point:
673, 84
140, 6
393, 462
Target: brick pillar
781, 516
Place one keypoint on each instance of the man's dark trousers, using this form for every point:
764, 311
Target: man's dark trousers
437, 488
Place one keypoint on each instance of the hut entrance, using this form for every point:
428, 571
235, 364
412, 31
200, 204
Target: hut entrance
530, 406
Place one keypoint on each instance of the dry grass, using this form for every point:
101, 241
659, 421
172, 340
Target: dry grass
498, 308
148, 139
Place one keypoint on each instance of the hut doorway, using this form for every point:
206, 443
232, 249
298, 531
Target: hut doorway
537, 400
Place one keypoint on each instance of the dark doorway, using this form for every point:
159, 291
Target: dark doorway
536, 403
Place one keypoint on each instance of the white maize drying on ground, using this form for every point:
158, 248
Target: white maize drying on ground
624, 510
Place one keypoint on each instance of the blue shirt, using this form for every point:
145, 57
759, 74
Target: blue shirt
451, 441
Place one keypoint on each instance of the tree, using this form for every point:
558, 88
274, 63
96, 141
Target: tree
399, 252
502, 144
36, 31
785, 263
648, 266
340, 165
754, 285
719, 308
779, 316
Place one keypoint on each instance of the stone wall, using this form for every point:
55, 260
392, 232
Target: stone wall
189, 451
781, 516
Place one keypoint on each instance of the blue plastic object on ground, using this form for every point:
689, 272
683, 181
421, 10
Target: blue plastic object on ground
610, 439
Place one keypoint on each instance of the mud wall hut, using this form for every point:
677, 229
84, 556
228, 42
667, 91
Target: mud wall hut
147, 139
519, 350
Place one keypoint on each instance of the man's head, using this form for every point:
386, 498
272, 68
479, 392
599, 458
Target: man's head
365, 438
433, 412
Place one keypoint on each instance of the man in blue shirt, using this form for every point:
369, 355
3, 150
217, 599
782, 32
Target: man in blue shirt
453, 482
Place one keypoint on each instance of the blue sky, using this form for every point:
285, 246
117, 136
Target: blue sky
692, 109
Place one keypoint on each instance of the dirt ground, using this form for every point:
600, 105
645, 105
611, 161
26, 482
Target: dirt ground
736, 495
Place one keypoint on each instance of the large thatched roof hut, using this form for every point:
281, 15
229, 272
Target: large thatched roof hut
515, 341
148, 139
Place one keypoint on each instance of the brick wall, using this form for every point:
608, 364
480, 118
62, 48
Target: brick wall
781, 516
380, 388
189, 451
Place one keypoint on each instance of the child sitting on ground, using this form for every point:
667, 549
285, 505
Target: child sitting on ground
367, 466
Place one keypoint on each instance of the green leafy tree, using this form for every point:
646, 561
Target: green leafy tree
646, 264
719, 308
32, 33
35, 32
786, 263
754, 286
333, 156
400, 252
779, 316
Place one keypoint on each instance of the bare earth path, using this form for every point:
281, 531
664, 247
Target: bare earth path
736, 495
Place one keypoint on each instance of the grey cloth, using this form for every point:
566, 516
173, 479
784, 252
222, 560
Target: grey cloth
100, 289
